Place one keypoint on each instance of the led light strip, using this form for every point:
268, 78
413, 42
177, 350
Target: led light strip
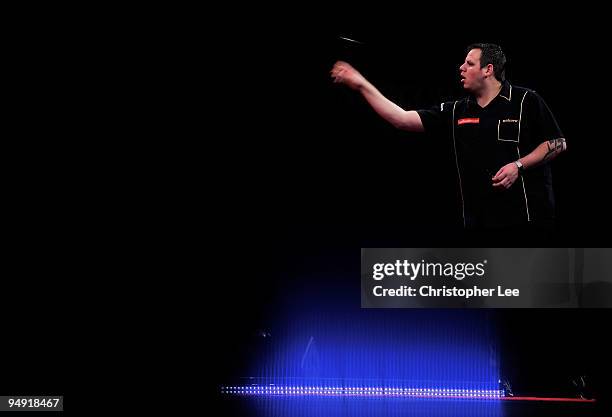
360, 391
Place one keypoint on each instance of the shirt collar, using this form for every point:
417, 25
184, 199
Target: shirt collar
506, 91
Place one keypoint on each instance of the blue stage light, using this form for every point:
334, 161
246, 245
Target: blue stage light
280, 390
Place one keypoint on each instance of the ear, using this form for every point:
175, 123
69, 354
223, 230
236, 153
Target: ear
489, 71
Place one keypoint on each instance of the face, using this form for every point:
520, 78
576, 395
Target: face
472, 76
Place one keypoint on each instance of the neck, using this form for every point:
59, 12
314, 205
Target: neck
488, 93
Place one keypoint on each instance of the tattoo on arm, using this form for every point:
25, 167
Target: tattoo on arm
554, 146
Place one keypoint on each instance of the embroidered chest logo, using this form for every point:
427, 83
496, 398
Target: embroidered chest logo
475, 121
510, 121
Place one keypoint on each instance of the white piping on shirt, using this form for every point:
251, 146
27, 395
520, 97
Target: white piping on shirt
457, 163
504, 140
509, 99
519, 156
524, 192
520, 116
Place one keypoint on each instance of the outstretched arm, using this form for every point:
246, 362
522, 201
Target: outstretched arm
344, 73
545, 152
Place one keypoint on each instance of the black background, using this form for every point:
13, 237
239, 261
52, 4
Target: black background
308, 174
312, 157
320, 175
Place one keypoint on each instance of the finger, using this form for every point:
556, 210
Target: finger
501, 183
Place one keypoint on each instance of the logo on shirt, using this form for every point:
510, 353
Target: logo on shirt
475, 120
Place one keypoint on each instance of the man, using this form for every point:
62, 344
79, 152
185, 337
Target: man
502, 136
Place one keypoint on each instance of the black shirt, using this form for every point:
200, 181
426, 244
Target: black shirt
485, 139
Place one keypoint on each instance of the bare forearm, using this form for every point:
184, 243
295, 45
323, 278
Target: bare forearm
388, 110
545, 152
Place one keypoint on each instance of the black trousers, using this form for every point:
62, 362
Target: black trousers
529, 234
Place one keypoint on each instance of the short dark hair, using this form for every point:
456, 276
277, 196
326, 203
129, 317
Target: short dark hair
491, 54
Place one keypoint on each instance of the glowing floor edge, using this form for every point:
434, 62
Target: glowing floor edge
386, 392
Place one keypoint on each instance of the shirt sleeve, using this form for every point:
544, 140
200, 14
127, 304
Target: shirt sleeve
541, 122
438, 118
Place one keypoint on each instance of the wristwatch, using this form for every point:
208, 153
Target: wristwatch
520, 167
